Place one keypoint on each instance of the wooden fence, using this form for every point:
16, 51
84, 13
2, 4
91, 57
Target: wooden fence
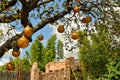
6, 75
11, 75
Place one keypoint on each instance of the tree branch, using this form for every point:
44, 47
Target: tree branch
7, 19
9, 44
9, 4
48, 20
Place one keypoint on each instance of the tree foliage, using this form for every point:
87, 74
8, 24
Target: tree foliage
113, 70
37, 54
50, 48
95, 51
59, 50
25, 63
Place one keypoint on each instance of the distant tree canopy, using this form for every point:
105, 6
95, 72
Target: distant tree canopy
97, 56
47, 11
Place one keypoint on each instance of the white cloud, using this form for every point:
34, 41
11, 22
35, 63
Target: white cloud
1, 64
73, 53
117, 9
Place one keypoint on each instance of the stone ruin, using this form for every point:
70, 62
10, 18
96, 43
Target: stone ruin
56, 70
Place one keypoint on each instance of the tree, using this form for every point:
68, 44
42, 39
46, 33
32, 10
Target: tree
25, 63
37, 54
113, 70
94, 52
59, 50
50, 49
46, 11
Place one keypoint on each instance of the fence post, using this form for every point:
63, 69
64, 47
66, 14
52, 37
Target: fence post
35, 72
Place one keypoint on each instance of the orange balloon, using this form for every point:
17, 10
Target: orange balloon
61, 29
74, 35
23, 42
88, 19
28, 31
40, 37
83, 20
76, 9
9, 66
16, 53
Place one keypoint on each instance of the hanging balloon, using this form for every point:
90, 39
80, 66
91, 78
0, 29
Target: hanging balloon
60, 29
88, 19
76, 9
83, 20
74, 35
22, 42
40, 37
16, 53
28, 31
9, 66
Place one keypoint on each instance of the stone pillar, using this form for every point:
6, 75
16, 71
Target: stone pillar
69, 64
67, 70
35, 72
67, 73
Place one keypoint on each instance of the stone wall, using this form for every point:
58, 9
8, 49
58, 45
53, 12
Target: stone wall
56, 70
56, 75
53, 66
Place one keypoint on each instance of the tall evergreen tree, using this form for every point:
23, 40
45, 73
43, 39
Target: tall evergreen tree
50, 48
36, 54
59, 50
